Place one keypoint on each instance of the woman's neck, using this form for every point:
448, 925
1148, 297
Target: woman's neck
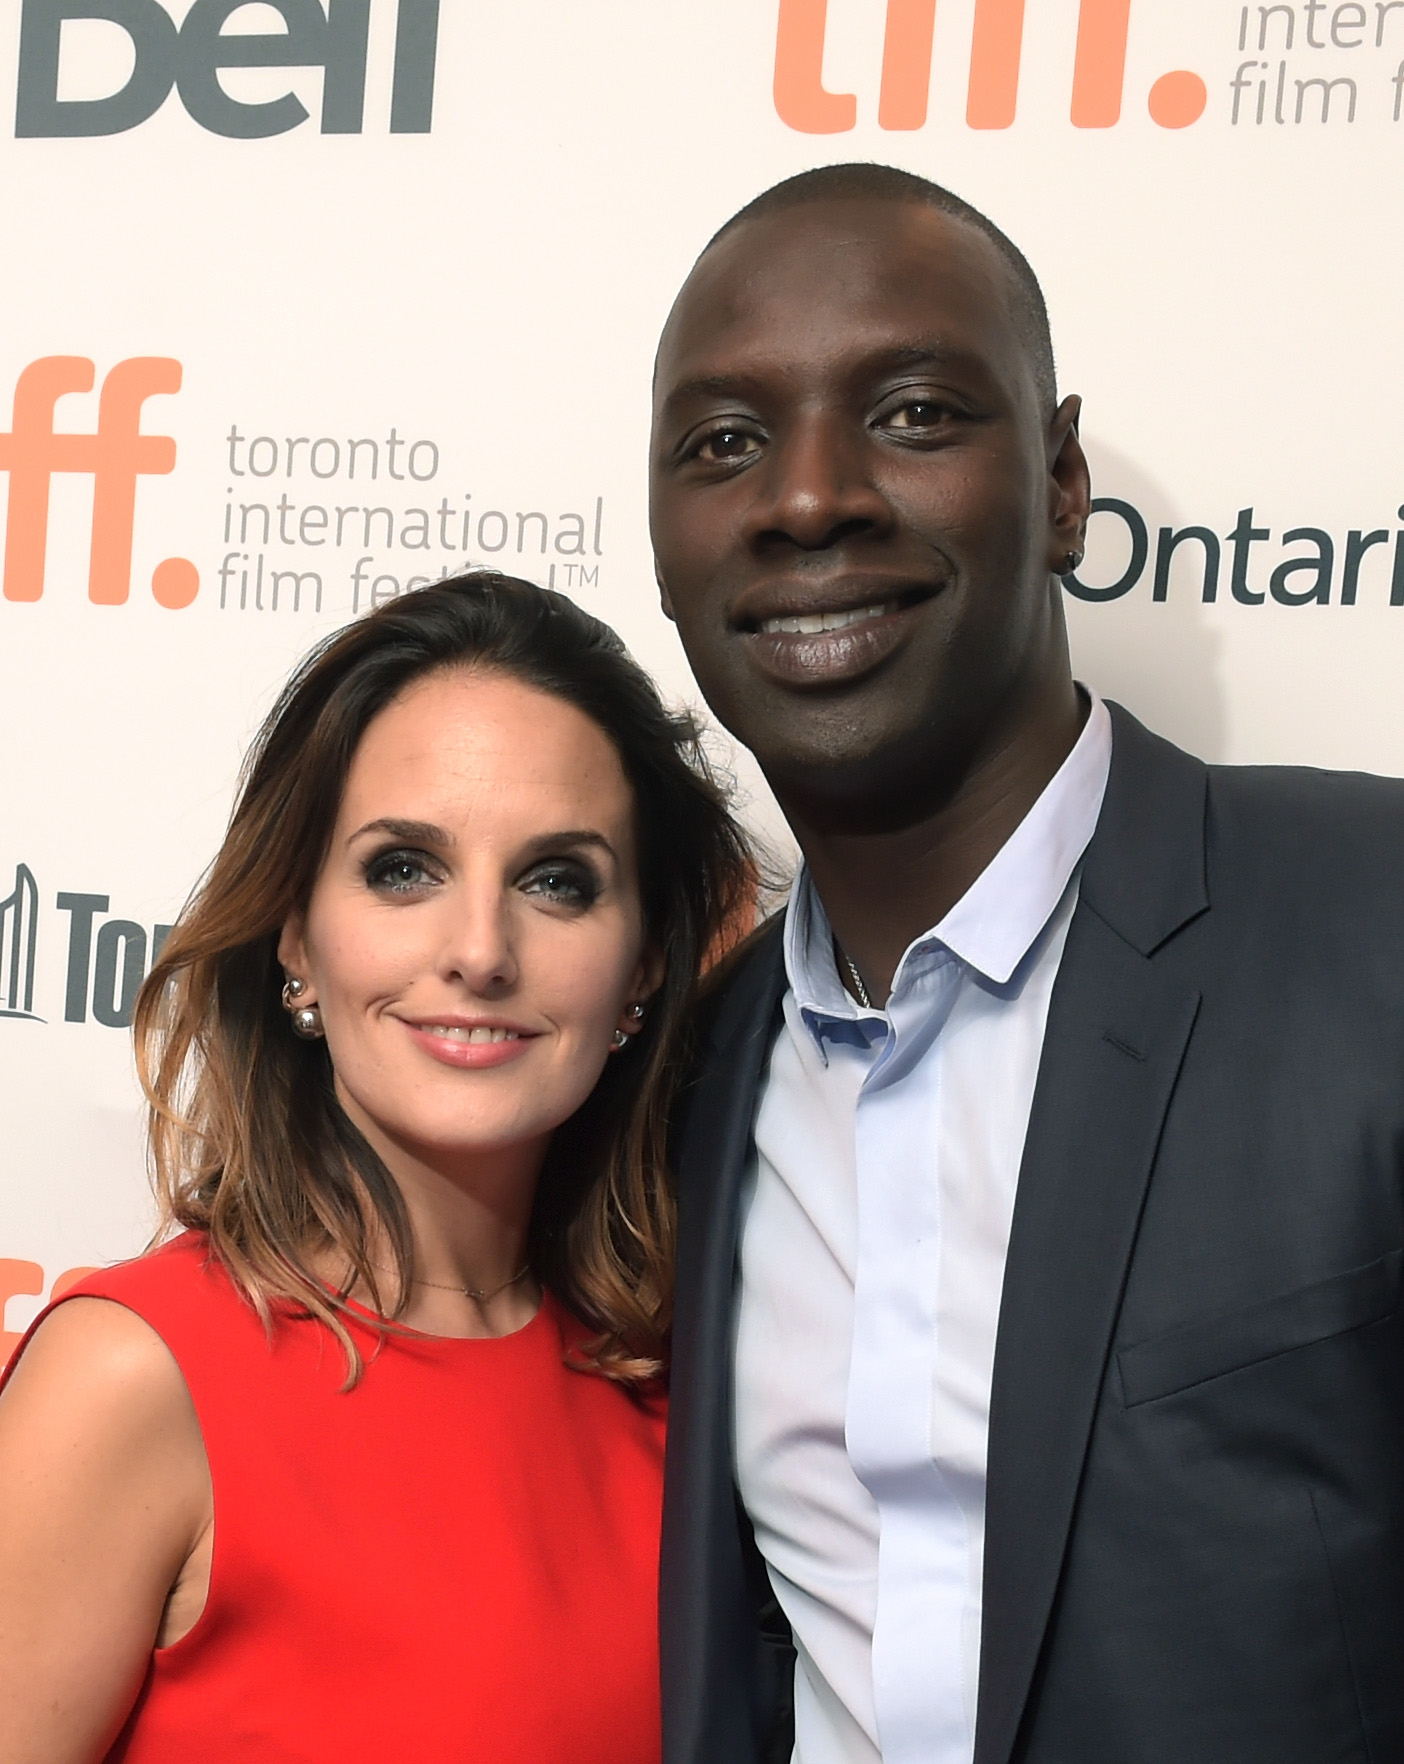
469, 1220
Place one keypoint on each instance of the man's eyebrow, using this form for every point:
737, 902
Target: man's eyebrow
412, 832
708, 386
936, 355
918, 354
932, 354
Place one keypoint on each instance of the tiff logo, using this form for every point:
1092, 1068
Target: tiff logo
19, 932
107, 957
1175, 100
333, 37
104, 972
115, 456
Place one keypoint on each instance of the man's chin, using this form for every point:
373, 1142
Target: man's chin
850, 783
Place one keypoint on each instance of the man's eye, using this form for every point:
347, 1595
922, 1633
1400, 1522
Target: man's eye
563, 884
916, 413
398, 872
725, 444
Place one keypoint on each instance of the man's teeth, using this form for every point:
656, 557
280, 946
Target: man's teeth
474, 1036
810, 624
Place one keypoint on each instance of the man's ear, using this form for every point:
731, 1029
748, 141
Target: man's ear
1070, 485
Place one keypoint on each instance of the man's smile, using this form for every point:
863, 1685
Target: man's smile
806, 643
850, 598
807, 624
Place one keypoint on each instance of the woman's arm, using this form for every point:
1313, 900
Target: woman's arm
104, 1500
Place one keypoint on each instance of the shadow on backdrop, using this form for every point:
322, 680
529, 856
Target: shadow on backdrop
1161, 659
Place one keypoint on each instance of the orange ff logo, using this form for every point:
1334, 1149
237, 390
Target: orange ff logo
115, 457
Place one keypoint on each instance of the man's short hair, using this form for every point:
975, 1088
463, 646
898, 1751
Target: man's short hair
885, 183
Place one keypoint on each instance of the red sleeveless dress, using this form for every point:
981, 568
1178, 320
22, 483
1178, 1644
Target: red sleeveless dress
456, 1562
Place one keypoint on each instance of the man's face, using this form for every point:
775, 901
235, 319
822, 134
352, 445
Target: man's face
856, 499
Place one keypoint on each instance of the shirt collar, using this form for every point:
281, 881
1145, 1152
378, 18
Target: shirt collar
994, 924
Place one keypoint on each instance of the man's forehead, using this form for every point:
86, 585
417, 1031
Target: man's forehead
900, 265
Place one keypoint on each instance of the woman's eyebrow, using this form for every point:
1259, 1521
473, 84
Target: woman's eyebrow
416, 832
574, 836
426, 833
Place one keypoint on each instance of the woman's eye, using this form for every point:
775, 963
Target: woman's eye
562, 884
399, 872
727, 444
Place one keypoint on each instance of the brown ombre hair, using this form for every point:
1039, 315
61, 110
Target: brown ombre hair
249, 1144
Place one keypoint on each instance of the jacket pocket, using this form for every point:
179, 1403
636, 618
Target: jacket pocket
1196, 1352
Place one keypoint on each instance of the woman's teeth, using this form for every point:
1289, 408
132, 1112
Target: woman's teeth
478, 1034
810, 624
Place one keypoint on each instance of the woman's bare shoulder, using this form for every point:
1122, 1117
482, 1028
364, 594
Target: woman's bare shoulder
96, 1371
105, 1497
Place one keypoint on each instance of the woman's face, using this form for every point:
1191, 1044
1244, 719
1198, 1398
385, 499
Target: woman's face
475, 935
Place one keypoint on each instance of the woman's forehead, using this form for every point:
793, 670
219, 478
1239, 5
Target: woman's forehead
475, 742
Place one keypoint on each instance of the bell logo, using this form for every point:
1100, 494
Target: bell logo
1175, 100
333, 37
115, 457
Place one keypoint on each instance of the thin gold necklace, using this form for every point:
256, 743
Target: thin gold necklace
476, 1293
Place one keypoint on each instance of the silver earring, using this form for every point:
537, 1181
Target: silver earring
1070, 563
306, 1019
617, 1040
636, 1011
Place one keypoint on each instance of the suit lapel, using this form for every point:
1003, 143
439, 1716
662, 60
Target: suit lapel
1118, 1027
711, 1701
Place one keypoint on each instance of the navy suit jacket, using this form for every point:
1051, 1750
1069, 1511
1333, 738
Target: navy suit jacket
1195, 1504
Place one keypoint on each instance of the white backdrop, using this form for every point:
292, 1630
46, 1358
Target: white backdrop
473, 296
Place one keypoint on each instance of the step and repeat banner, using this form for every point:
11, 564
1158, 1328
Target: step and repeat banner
308, 301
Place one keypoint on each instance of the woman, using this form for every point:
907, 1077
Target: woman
366, 1462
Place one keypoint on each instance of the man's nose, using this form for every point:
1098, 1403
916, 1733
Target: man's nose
479, 943
818, 486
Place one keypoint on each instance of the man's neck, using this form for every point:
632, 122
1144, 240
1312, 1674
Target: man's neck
882, 890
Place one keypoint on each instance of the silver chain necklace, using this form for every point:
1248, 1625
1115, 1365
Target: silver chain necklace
857, 979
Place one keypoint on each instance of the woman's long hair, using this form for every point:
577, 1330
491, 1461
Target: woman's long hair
249, 1144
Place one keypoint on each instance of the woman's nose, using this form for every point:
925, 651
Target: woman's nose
479, 948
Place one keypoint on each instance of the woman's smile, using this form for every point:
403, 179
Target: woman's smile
471, 1046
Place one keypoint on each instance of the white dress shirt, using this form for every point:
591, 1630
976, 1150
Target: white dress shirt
874, 1233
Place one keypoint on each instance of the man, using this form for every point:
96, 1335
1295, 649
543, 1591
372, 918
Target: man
1037, 1367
